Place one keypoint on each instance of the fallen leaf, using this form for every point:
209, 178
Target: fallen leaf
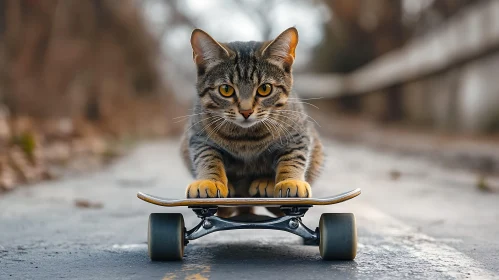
84, 203
395, 174
483, 185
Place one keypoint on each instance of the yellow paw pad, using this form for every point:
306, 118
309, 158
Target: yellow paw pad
207, 188
262, 187
292, 188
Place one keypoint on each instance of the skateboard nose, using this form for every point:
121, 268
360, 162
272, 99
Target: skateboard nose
246, 113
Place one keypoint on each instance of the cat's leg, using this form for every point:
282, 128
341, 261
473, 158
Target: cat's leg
227, 212
241, 190
276, 211
245, 210
316, 160
210, 174
263, 187
290, 172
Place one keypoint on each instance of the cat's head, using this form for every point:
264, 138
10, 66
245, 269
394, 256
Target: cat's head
244, 82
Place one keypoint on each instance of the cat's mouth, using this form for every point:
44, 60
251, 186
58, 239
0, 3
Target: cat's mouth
246, 122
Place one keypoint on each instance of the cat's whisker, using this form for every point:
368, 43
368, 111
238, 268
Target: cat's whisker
183, 118
272, 127
270, 131
277, 118
289, 118
187, 116
287, 124
311, 98
191, 126
304, 114
215, 123
218, 125
212, 122
221, 125
273, 124
305, 103
286, 132
266, 127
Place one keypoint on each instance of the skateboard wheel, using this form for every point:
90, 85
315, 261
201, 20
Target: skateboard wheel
165, 237
338, 236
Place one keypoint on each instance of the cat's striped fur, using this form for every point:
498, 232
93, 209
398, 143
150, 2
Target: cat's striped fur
276, 151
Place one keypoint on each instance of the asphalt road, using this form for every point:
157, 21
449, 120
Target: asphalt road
416, 220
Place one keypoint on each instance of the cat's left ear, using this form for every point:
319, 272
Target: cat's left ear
205, 50
282, 48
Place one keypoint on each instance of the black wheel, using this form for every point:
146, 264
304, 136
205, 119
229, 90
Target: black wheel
165, 237
338, 236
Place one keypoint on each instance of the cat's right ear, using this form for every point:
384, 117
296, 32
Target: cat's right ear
205, 50
282, 48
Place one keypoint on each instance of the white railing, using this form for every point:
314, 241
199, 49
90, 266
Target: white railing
468, 35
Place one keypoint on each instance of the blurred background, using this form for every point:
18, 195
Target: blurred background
82, 80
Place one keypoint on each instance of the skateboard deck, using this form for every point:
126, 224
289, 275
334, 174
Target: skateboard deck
253, 201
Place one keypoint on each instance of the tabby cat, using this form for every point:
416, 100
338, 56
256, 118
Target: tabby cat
249, 134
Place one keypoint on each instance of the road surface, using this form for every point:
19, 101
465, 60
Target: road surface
416, 220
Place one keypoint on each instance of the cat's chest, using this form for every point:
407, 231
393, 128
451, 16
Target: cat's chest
244, 149
257, 164
246, 152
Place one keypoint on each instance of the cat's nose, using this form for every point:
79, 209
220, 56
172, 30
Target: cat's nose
246, 113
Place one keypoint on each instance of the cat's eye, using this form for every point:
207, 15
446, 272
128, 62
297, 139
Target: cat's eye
264, 89
226, 90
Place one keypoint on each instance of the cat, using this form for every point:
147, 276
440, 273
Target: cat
248, 134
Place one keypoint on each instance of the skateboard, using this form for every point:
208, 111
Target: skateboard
336, 234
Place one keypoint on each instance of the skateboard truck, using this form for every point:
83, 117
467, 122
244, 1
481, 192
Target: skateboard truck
291, 222
336, 235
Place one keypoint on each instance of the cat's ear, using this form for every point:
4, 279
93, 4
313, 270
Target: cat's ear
205, 50
282, 48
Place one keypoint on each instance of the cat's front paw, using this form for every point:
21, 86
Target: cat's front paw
207, 188
292, 188
263, 187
